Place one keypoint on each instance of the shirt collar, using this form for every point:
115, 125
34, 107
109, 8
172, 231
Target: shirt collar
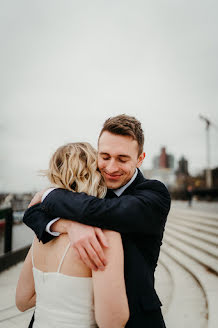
119, 191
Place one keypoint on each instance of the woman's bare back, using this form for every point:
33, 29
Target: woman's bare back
47, 258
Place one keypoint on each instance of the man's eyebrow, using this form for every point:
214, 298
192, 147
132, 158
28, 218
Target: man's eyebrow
126, 156
121, 155
102, 153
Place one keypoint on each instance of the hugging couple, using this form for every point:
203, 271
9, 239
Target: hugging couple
98, 235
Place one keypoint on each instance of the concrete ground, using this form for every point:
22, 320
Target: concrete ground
10, 316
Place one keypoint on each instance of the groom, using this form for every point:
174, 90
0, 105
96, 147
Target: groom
134, 206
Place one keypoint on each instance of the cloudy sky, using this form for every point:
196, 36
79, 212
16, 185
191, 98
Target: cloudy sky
68, 65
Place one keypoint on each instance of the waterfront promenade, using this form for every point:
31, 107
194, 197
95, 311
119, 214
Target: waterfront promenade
186, 276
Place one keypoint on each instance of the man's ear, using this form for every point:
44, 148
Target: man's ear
140, 159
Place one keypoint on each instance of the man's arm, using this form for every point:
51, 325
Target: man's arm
144, 211
37, 220
87, 241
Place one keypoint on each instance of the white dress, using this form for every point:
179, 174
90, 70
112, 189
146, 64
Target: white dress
63, 301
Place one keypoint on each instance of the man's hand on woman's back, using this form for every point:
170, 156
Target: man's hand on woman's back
89, 243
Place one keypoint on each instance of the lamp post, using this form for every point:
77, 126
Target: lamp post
208, 170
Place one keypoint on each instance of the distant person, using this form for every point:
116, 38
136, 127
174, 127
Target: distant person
189, 195
134, 206
64, 290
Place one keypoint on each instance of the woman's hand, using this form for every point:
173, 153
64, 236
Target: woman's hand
37, 198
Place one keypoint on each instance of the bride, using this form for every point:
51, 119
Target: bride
63, 290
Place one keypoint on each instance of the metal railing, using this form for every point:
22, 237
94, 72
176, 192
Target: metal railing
10, 257
7, 214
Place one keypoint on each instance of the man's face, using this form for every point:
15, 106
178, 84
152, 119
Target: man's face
118, 158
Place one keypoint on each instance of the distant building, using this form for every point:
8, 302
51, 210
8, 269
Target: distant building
163, 168
182, 176
18, 202
215, 177
164, 160
182, 166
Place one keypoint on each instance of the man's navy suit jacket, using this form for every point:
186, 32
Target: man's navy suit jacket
139, 215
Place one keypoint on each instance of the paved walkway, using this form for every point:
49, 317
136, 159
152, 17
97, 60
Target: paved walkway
186, 276
10, 316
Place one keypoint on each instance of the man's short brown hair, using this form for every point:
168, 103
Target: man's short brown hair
126, 126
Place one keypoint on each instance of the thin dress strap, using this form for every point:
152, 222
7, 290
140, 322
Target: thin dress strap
65, 252
32, 253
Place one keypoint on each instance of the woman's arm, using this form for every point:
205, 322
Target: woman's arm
25, 293
111, 304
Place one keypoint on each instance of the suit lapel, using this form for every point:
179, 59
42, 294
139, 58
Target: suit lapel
139, 179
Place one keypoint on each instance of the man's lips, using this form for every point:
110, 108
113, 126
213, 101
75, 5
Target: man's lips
112, 176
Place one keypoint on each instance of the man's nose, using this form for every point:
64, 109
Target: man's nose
112, 166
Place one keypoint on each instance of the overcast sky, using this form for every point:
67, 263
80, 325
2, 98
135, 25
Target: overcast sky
66, 66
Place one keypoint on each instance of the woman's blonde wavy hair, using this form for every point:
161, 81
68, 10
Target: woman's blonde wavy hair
74, 167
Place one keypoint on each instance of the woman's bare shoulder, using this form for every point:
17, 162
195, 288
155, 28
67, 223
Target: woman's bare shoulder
111, 234
113, 238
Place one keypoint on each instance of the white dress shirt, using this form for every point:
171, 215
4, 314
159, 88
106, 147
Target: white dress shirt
118, 192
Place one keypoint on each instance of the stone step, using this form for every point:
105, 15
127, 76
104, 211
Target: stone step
186, 294
20, 320
190, 212
200, 221
163, 285
193, 233
199, 256
10, 313
10, 316
195, 226
208, 281
194, 242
